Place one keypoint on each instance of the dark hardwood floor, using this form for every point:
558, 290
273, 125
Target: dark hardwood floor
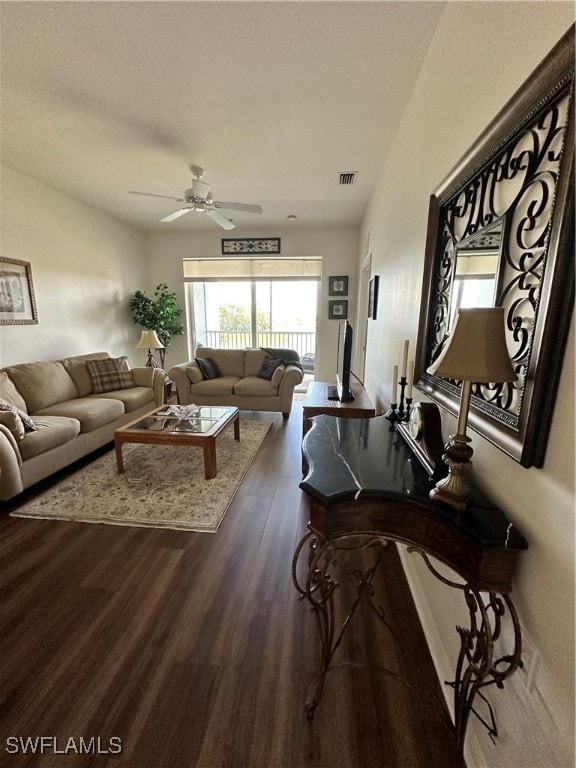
194, 650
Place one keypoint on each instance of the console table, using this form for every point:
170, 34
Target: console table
365, 490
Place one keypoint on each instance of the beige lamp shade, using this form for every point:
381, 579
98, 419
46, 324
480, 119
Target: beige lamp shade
476, 349
149, 340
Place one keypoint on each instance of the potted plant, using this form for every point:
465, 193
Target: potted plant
158, 314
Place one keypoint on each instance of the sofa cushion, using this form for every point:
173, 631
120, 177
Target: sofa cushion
9, 392
42, 384
252, 386
110, 374
50, 433
13, 422
78, 371
133, 398
269, 365
7, 407
91, 412
253, 361
209, 368
230, 361
223, 385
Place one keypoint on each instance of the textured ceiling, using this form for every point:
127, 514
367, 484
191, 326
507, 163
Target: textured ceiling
272, 99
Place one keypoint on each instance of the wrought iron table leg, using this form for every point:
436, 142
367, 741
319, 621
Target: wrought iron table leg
476, 667
318, 590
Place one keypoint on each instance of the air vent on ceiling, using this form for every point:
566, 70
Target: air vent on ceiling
347, 177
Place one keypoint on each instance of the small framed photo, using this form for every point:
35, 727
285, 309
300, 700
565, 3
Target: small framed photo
373, 298
338, 310
17, 302
338, 285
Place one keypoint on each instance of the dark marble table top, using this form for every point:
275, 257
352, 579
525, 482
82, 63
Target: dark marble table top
363, 459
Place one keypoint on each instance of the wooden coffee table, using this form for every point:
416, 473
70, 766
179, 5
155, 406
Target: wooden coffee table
154, 428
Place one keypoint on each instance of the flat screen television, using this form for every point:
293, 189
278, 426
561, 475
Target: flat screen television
344, 362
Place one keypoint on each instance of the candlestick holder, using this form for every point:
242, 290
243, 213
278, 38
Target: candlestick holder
400, 411
403, 411
391, 415
408, 407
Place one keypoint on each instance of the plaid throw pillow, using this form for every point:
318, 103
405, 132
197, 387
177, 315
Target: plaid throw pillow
26, 420
109, 374
269, 365
209, 368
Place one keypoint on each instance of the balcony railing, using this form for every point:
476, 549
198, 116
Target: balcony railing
303, 343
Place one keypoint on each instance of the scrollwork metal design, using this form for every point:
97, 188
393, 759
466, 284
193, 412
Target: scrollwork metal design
517, 180
517, 189
476, 667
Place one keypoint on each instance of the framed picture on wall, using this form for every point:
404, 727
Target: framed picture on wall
17, 301
338, 310
373, 298
338, 285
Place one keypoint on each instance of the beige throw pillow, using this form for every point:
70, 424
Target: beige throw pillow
7, 407
14, 423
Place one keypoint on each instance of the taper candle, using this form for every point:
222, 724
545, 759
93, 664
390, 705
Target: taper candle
410, 379
405, 358
395, 385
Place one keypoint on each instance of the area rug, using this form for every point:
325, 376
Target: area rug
162, 487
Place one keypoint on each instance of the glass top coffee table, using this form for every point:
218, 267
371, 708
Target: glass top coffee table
161, 427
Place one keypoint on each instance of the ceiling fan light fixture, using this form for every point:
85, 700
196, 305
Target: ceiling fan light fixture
200, 189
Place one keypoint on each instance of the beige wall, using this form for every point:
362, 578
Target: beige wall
480, 54
337, 247
84, 266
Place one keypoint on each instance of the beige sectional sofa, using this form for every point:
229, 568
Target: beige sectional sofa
240, 383
69, 418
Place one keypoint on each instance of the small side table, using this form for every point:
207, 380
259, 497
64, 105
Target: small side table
167, 389
316, 403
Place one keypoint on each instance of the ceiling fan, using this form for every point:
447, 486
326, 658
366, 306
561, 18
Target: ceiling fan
198, 199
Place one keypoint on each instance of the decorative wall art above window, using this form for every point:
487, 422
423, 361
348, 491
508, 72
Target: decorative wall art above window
17, 301
251, 245
501, 233
338, 285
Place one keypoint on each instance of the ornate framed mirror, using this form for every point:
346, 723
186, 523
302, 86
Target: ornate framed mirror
501, 233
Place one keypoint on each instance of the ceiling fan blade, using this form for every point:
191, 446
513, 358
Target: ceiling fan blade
151, 194
176, 214
239, 207
221, 220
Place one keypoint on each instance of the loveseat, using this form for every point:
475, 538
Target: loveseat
53, 413
250, 379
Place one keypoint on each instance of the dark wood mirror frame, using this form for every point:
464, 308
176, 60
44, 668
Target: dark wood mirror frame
520, 172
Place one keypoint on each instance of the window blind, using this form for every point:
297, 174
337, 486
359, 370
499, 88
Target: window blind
251, 269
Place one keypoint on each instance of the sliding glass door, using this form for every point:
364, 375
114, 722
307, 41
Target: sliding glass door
233, 315
251, 311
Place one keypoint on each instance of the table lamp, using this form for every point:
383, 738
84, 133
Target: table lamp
149, 340
475, 352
